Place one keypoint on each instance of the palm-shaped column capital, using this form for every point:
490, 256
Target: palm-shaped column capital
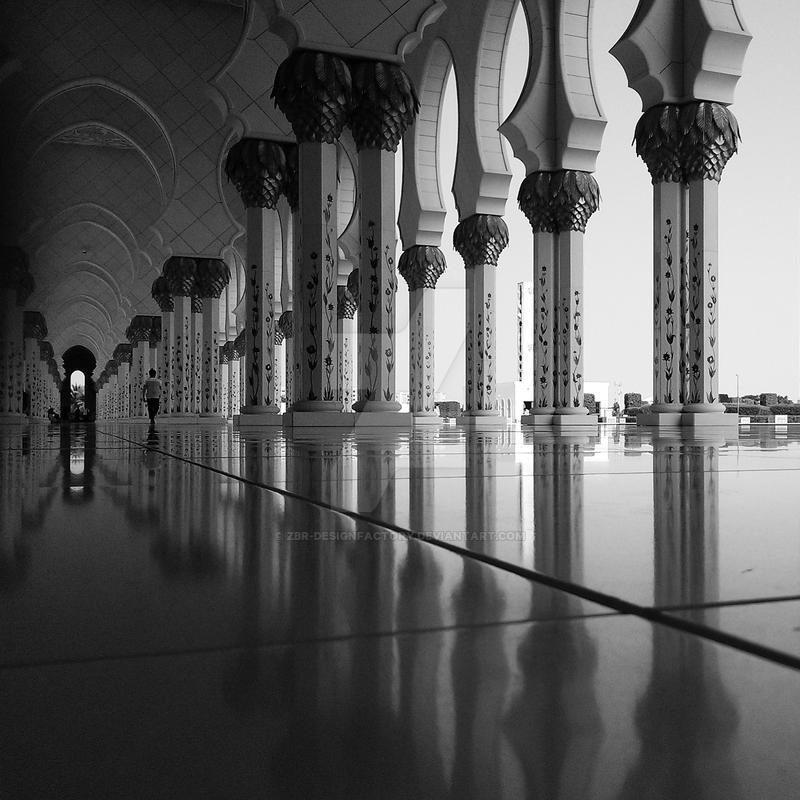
314, 90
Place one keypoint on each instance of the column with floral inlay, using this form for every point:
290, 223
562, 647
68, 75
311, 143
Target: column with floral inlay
123, 355
686, 135
479, 240
16, 285
138, 334
179, 272
257, 167
346, 335
165, 353
212, 277
313, 89
384, 105
577, 197
537, 202
710, 139
422, 266
34, 330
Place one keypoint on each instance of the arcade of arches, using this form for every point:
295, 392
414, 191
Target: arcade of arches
293, 584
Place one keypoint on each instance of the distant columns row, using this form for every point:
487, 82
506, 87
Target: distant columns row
29, 376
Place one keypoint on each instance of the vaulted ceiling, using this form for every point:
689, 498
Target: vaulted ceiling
117, 115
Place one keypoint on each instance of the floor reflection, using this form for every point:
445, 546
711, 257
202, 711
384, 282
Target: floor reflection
345, 659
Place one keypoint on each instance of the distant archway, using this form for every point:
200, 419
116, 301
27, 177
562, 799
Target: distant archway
79, 359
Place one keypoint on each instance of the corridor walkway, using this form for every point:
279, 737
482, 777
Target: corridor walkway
199, 612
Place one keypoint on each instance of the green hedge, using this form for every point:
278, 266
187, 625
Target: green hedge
793, 408
747, 411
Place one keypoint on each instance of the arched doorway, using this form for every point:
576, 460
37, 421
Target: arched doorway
79, 359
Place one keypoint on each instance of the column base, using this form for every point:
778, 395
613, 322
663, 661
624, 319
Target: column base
252, 420
319, 406
536, 420
270, 409
426, 419
705, 419
9, 418
372, 406
660, 419
346, 419
482, 421
573, 421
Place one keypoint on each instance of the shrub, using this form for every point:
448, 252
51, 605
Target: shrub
632, 400
792, 408
747, 410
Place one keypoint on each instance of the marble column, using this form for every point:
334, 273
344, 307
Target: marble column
138, 334
346, 307
558, 205
225, 379
166, 355
262, 393
122, 355
288, 213
113, 395
314, 91
286, 327
180, 275
686, 148
384, 105
16, 285
479, 240
707, 148
212, 277
196, 354
422, 266
238, 372
34, 331
43, 397
537, 203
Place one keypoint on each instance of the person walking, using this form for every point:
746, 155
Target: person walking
152, 395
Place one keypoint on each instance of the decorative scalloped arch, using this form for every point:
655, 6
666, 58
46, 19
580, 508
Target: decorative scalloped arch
27, 142
422, 203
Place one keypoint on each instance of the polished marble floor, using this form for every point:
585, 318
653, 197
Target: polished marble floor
208, 613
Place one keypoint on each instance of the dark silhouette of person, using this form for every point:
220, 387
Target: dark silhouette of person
152, 395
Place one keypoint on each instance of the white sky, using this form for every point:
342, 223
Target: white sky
759, 226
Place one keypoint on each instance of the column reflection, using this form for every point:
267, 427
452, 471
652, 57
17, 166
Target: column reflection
479, 669
419, 605
686, 720
554, 722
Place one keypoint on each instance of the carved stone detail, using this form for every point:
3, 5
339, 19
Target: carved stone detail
123, 353
257, 168
422, 266
155, 331
110, 367
161, 294
384, 104
286, 324
14, 273
559, 201
197, 304
45, 351
314, 91
212, 276
240, 345
180, 273
34, 326
682, 143
480, 239
346, 305
354, 285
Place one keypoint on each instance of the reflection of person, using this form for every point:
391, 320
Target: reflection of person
151, 392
